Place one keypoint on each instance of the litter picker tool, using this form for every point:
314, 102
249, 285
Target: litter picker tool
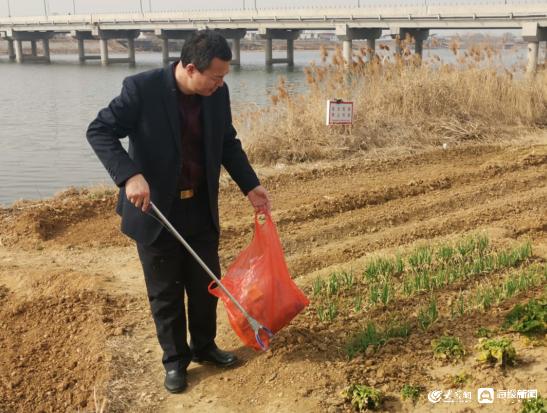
255, 325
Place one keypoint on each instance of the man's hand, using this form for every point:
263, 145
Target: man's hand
138, 192
260, 200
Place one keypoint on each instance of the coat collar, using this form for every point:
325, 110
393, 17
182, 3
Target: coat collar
171, 103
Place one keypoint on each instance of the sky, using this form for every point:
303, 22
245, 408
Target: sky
36, 7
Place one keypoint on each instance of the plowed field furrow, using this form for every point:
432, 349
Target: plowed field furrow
326, 197
507, 212
402, 211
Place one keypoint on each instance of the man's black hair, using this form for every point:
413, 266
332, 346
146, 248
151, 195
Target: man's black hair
202, 47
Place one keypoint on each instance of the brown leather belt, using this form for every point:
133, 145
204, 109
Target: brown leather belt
187, 194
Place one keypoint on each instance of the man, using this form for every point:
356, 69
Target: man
179, 124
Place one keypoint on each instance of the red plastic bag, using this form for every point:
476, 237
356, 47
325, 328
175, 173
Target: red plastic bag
259, 280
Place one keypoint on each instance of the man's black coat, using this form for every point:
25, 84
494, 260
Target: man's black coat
147, 112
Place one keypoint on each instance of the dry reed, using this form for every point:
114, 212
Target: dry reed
400, 102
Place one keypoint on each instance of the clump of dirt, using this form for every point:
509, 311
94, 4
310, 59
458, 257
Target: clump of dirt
64, 219
52, 346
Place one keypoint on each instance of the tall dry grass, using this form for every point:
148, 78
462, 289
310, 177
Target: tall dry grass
400, 102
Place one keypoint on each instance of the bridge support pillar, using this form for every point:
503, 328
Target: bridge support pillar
371, 46
104, 52
533, 57
290, 35
45, 46
403, 36
348, 34
33, 48
19, 51
81, 50
131, 51
235, 35
11, 50
269, 51
236, 52
347, 51
165, 35
290, 52
533, 34
165, 51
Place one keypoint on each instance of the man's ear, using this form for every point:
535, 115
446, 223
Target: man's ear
190, 69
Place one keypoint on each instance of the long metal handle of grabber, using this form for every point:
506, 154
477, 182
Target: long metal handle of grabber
173, 231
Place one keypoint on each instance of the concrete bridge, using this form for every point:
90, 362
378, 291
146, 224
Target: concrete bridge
351, 23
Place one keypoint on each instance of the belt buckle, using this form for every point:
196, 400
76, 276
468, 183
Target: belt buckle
186, 194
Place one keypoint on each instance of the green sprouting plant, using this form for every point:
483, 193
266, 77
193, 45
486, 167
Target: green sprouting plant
460, 304
422, 281
528, 319
482, 244
514, 257
483, 332
317, 286
372, 336
427, 316
408, 286
357, 303
421, 257
496, 351
379, 267
399, 264
536, 405
347, 279
363, 397
385, 294
333, 285
466, 247
374, 294
445, 253
411, 392
460, 379
485, 297
448, 348
327, 312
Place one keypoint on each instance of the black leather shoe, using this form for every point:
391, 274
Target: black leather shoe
175, 381
217, 357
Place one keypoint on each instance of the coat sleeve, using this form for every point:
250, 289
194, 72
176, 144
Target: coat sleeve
113, 123
234, 158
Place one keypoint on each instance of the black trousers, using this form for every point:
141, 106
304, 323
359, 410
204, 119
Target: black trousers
170, 271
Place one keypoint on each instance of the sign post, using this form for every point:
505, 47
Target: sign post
339, 112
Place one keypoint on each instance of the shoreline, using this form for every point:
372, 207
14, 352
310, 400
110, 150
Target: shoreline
66, 45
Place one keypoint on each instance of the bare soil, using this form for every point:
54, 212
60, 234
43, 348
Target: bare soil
75, 326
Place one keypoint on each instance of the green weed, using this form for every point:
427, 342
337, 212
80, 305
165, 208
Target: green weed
427, 316
496, 351
460, 379
528, 319
363, 397
483, 332
448, 348
411, 392
537, 405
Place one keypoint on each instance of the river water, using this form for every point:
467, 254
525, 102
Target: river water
45, 111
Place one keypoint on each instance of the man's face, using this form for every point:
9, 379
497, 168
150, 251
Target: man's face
207, 82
